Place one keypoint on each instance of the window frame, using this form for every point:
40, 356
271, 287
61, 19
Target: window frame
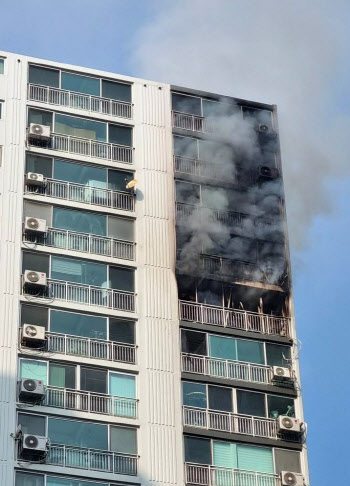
45, 476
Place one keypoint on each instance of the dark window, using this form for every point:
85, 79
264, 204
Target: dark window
118, 179
210, 292
197, 450
194, 342
277, 355
123, 440
36, 261
62, 376
121, 279
44, 76
80, 84
187, 104
120, 135
194, 394
40, 117
116, 91
33, 314
186, 147
121, 331
27, 479
280, 406
32, 424
93, 380
187, 193
39, 165
249, 403
287, 461
220, 398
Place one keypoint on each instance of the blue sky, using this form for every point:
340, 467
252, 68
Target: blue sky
307, 74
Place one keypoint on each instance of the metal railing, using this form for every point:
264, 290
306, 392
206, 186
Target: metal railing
234, 318
84, 242
221, 476
84, 194
225, 368
229, 218
230, 422
84, 294
85, 146
191, 122
72, 99
92, 459
90, 402
91, 348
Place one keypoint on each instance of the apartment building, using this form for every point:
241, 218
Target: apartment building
147, 330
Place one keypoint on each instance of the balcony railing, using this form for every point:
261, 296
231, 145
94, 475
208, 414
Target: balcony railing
230, 422
224, 368
71, 99
91, 459
221, 476
229, 218
91, 348
84, 194
84, 242
235, 319
86, 147
84, 294
191, 122
90, 402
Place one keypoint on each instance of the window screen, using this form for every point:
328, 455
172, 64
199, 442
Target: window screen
121, 228
123, 439
287, 461
44, 76
120, 135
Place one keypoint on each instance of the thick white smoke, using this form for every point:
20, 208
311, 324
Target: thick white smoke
288, 53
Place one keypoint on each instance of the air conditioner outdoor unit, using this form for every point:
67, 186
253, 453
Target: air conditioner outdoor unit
33, 390
34, 444
291, 479
34, 179
35, 225
32, 278
41, 132
33, 334
288, 424
280, 373
268, 172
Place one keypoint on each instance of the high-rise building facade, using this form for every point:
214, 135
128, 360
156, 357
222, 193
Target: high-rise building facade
147, 329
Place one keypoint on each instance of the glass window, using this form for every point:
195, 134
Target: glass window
187, 193
1, 103
80, 221
2, 63
116, 91
93, 380
33, 314
54, 481
121, 279
123, 439
36, 261
44, 76
121, 331
278, 355
187, 104
62, 376
197, 451
79, 271
35, 370
252, 458
186, 147
220, 398
32, 424
40, 117
79, 434
287, 460
194, 342
250, 403
280, 406
42, 211
78, 324
80, 84
121, 228
120, 135
80, 127
222, 347
65, 170
194, 394
224, 455
122, 385
250, 351
27, 479
118, 179
39, 165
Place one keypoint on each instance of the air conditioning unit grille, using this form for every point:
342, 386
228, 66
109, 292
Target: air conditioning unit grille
29, 385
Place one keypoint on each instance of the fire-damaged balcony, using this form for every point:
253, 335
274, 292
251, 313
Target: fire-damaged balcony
205, 475
229, 218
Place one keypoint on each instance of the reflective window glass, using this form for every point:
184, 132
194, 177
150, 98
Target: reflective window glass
32, 424
186, 104
32, 314
250, 351
78, 324
121, 228
93, 380
120, 135
194, 394
79, 434
121, 331
80, 221
122, 385
220, 398
40, 117
28, 479
32, 369
124, 440
39, 165
62, 376
44, 76
54, 481
80, 84
65, 170
2, 66
197, 450
79, 271
116, 91
80, 127
250, 403
118, 179
278, 355
121, 279
223, 347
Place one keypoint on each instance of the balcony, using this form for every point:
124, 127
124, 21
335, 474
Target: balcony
224, 368
84, 294
229, 218
191, 122
84, 242
86, 147
234, 319
90, 402
221, 476
92, 460
90, 348
84, 194
71, 99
